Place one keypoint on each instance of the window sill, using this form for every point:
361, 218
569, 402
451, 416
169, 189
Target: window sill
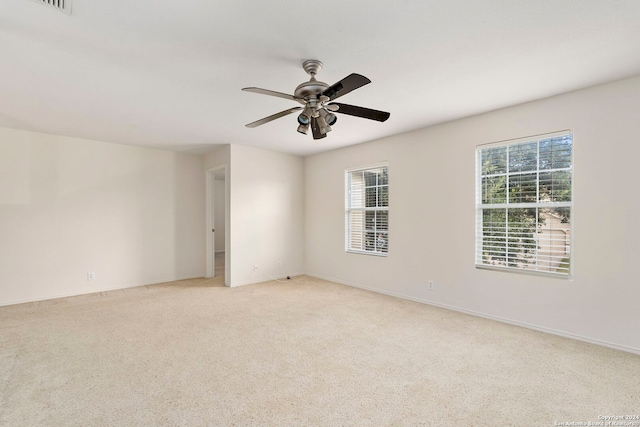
561, 276
378, 254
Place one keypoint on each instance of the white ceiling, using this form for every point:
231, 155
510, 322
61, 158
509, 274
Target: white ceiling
168, 74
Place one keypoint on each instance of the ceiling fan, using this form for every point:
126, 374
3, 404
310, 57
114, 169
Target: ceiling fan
315, 97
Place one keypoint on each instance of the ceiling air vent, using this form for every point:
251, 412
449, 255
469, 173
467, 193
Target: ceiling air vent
61, 5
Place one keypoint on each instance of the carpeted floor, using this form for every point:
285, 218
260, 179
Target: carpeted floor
305, 352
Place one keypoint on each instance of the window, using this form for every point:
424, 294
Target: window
524, 204
367, 210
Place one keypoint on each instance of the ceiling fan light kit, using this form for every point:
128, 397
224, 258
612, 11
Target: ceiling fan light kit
316, 98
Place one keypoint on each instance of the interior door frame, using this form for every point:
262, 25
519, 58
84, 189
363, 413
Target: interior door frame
210, 222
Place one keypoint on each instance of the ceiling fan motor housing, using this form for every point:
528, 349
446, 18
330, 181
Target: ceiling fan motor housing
310, 90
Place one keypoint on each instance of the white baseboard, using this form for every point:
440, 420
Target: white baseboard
265, 279
488, 316
94, 291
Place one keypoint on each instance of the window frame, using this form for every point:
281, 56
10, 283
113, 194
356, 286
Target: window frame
349, 209
547, 207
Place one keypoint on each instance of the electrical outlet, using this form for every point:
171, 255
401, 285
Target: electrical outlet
279, 264
255, 266
430, 285
91, 275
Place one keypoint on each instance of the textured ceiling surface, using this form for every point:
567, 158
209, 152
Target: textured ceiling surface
168, 74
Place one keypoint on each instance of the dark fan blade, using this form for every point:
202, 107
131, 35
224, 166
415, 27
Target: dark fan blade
273, 117
271, 93
316, 129
346, 85
365, 113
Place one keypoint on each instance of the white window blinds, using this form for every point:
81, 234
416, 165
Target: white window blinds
524, 204
367, 210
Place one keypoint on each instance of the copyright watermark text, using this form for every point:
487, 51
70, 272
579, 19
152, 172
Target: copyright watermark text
605, 421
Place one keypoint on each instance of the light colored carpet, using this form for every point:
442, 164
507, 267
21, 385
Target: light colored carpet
301, 353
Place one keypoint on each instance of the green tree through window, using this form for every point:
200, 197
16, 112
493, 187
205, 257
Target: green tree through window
524, 204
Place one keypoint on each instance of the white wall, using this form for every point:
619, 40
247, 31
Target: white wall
132, 215
267, 215
432, 218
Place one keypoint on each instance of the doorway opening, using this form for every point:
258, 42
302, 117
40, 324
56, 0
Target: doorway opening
218, 223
